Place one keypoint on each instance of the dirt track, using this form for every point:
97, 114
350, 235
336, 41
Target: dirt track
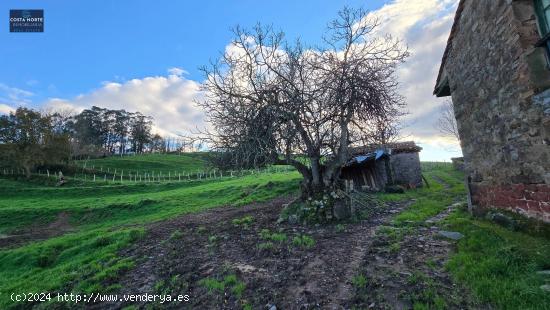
37, 232
210, 245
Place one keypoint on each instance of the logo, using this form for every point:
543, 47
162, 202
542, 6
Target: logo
26, 20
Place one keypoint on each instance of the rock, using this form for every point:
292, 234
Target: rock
380, 242
271, 307
341, 210
293, 219
451, 234
394, 189
545, 287
501, 220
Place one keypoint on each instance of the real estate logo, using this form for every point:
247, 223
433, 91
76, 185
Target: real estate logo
26, 20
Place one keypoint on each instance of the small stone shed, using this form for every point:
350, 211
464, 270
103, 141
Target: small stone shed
496, 67
369, 165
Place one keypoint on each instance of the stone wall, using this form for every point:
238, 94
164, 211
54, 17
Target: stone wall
532, 200
502, 112
406, 169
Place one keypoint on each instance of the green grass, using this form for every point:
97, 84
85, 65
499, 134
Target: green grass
188, 162
303, 241
359, 281
243, 222
498, 265
229, 282
276, 237
105, 219
446, 188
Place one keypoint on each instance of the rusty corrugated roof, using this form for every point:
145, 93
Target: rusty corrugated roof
396, 147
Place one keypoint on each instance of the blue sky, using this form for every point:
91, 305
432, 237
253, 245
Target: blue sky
118, 53
86, 42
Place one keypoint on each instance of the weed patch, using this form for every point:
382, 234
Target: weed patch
243, 222
229, 283
275, 237
303, 241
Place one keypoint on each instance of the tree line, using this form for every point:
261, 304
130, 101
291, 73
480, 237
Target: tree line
30, 138
111, 131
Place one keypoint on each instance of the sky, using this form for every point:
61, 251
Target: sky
145, 55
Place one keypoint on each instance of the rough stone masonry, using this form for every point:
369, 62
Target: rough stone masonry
500, 86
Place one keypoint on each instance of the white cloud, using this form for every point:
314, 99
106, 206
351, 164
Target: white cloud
177, 71
14, 96
423, 25
5, 109
168, 99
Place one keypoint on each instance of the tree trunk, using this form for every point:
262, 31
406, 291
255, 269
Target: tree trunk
315, 172
27, 169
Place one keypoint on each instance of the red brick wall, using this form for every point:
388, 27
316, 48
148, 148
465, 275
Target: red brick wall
532, 200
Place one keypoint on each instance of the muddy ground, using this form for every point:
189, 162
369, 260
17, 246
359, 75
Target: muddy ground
37, 232
199, 255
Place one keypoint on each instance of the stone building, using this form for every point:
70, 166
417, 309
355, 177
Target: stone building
372, 167
496, 68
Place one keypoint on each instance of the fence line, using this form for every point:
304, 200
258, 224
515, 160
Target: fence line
119, 176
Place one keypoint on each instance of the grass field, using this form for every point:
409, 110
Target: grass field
189, 162
104, 219
498, 265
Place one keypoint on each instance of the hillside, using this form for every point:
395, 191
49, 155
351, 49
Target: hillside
188, 162
219, 241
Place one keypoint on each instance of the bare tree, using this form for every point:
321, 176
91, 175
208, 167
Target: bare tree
383, 130
273, 102
446, 124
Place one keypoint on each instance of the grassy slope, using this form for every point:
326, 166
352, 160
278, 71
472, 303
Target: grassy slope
430, 201
497, 264
500, 265
85, 260
190, 162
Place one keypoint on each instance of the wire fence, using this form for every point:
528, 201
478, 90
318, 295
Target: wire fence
134, 176
435, 165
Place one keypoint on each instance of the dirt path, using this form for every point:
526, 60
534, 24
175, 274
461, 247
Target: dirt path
178, 254
240, 258
405, 267
37, 232
441, 181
